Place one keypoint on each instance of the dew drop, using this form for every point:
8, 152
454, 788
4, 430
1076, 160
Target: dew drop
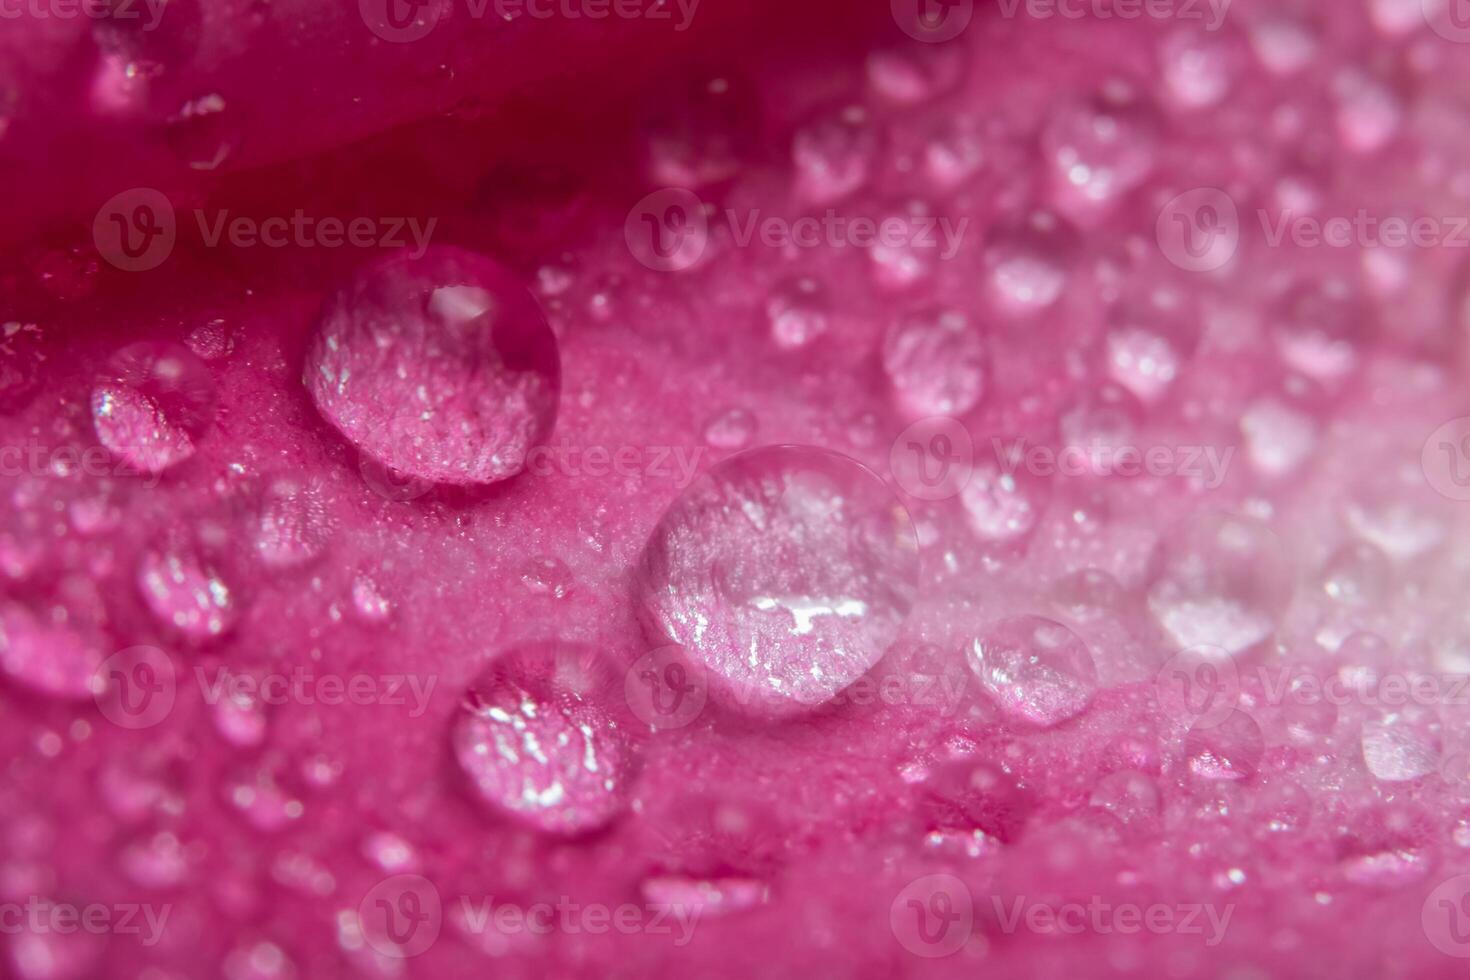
1003, 506
369, 601
963, 795
537, 741
1219, 580
1131, 797
834, 154
212, 341
440, 367
936, 362
55, 659
1357, 575
955, 152
798, 311
1036, 670
1279, 437
547, 575
701, 132
913, 72
1097, 151
785, 572
1026, 266
1368, 112
153, 405
1230, 749
1396, 750
1321, 329
1395, 511
732, 429
1198, 68
185, 594
1283, 45
1148, 342
294, 525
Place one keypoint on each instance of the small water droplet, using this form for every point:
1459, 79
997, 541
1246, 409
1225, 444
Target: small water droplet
1230, 749
294, 523
1003, 506
1199, 67
1027, 265
1397, 750
1098, 151
732, 429
1036, 670
153, 405
834, 154
547, 575
537, 741
701, 132
798, 311
185, 594
440, 367
936, 361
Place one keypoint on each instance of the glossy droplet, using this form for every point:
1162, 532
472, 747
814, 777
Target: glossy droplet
1102, 428
1003, 506
294, 525
963, 795
1230, 749
1321, 329
936, 361
1357, 575
785, 572
1026, 266
153, 405
1368, 112
203, 134
1087, 594
441, 367
1397, 750
1097, 151
1198, 68
732, 429
701, 131
547, 575
1131, 797
186, 595
1036, 670
212, 341
1149, 340
56, 659
537, 741
1219, 580
914, 72
369, 601
834, 154
798, 311
1279, 437
1283, 45
1395, 511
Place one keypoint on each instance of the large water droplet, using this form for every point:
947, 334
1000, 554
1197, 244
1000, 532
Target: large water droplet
1036, 670
936, 361
537, 739
1219, 580
153, 405
440, 367
785, 572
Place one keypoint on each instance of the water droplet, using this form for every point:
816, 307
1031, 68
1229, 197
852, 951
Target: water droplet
955, 152
798, 311
912, 72
1148, 342
1131, 797
294, 524
212, 341
1283, 45
1395, 510
706, 897
240, 716
56, 659
1279, 437
1357, 575
833, 154
1321, 329
964, 795
1036, 670
153, 405
390, 853
908, 255
1219, 580
547, 575
1027, 265
1101, 429
1396, 750
159, 861
202, 134
1230, 749
730, 430
185, 594
1198, 67
785, 572
537, 742
369, 600
440, 367
1098, 151
936, 361
701, 132
1368, 112
1003, 506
